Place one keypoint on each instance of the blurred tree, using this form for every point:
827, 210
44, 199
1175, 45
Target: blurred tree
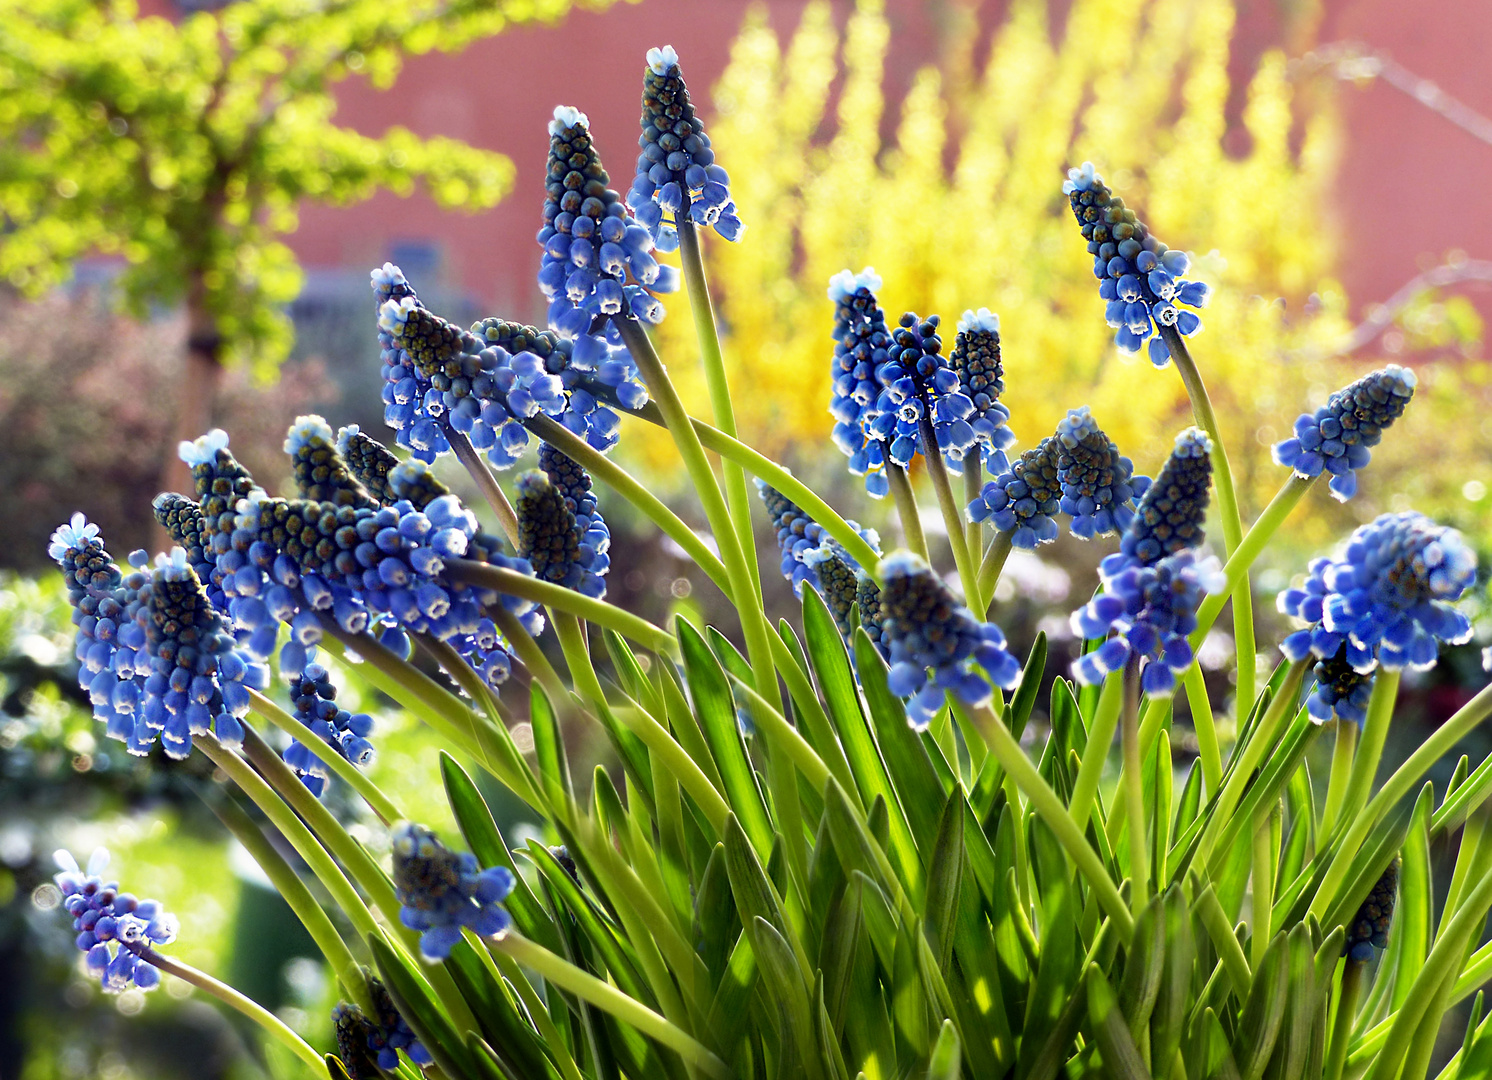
186, 146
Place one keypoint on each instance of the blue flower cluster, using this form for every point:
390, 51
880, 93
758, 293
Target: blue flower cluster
975, 359
115, 929
1098, 485
597, 261
314, 700
1341, 693
1024, 499
676, 171
1374, 918
936, 643
1154, 583
810, 555
861, 346
1139, 277
1387, 601
1337, 438
560, 530
917, 382
365, 1046
441, 892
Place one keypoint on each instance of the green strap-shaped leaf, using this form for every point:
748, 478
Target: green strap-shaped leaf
1121, 1058
502, 1025
716, 922
1210, 1055
945, 878
549, 748
783, 979
1294, 1047
730, 1010
1413, 910
1024, 698
909, 999
713, 705
334, 1067
1058, 974
1047, 1059
1264, 1011
1173, 996
755, 895
1190, 800
843, 935
814, 720
826, 1036
1144, 967
947, 1058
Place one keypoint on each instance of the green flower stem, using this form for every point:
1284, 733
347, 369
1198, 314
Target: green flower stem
1380, 713
289, 885
1263, 740
355, 778
485, 481
577, 652
1249, 549
1465, 720
1341, 768
559, 598
906, 511
1133, 787
683, 767
744, 590
507, 968
991, 566
1262, 882
953, 515
1227, 502
1346, 1012
528, 652
609, 999
628, 487
737, 497
973, 485
301, 838
246, 1005
767, 470
1046, 803
1100, 738
1206, 729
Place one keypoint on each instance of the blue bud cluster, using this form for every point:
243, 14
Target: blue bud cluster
1098, 485
1374, 918
575, 484
1337, 438
371, 462
1140, 279
861, 346
1173, 509
441, 892
115, 929
597, 261
1387, 600
321, 474
314, 701
868, 596
676, 171
936, 643
917, 382
975, 359
560, 529
1024, 499
1341, 693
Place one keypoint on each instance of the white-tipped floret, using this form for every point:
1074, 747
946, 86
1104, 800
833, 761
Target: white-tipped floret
663, 60
306, 430
394, 314
173, 564
845, 284
387, 276
204, 449
983, 319
1081, 179
567, 116
73, 535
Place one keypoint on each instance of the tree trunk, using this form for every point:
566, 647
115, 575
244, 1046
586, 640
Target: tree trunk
198, 387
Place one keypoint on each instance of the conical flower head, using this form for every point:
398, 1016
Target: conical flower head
936, 643
370, 462
220, 483
1337, 437
918, 387
320, 472
551, 538
1025, 499
441, 891
676, 170
115, 929
1173, 509
975, 359
862, 346
1370, 926
806, 548
1139, 277
1098, 485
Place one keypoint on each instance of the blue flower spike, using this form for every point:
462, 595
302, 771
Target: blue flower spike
975, 359
676, 170
1140, 279
1388, 600
811, 556
1025, 499
1098, 485
937, 645
313, 699
918, 383
117, 931
442, 892
1337, 438
1370, 926
1173, 509
861, 347
551, 536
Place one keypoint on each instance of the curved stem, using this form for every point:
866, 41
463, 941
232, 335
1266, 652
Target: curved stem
953, 516
627, 486
354, 777
1370, 748
467, 454
991, 566
1100, 738
577, 652
1341, 1029
558, 598
1341, 768
231, 997
906, 511
1205, 726
737, 496
1134, 795
973, 485
609, 999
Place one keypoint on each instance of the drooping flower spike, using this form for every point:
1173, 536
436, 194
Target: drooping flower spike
1337, 437
441, 891
975, 359
1024, 499
1388, 599
551, 535
861, 348
811, 556
313, 699
1140, 279
676, 164
1098, 485
115, 929
936, 643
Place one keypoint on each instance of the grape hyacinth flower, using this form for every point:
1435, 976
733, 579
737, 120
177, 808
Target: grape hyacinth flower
354, 1033
1388, 599
575, 484
313, 699
936, 643
1370, 926
1139, 277
441, 892
872, 621
366, 1045
1337, 438
1171, 512
917, 383
596, 261
116, 930
861, 348
550, 538
1024, 499
321, 474
676, 171
1341, 693
1098, 485
805, 546
975, 359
